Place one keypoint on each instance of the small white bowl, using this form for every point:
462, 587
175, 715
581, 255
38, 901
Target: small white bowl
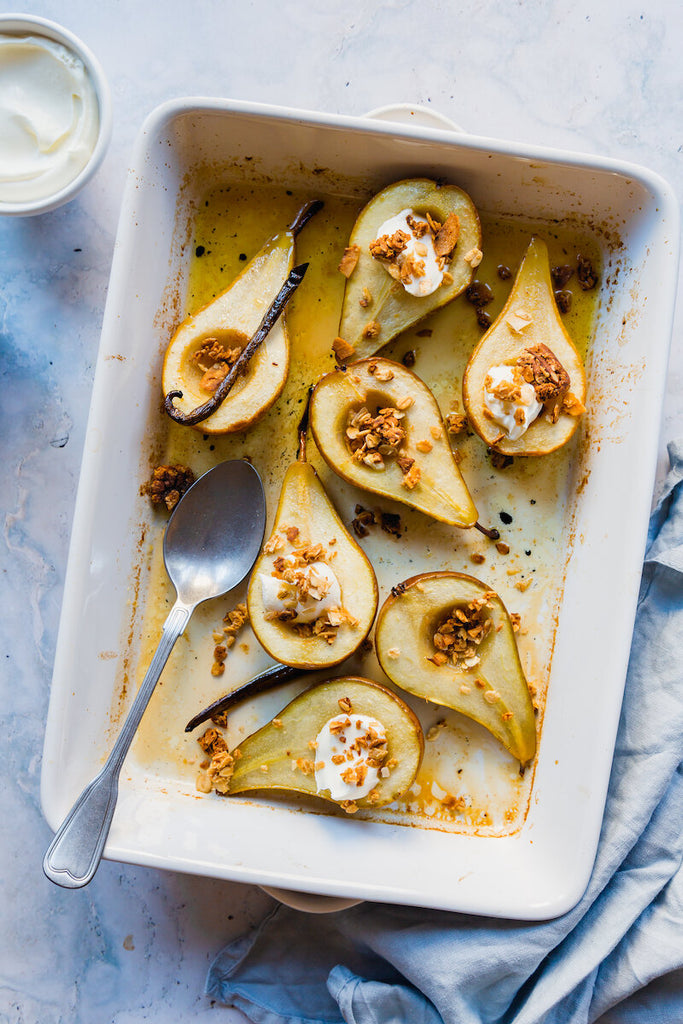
29, 24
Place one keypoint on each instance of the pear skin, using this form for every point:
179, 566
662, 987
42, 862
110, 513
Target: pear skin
494, 692
305, 507
502, 344
391, 307
378, 383
268, 758
232, 318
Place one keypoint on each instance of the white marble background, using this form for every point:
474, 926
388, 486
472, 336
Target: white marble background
601, 77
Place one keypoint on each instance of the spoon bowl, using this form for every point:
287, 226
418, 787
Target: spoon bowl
210, 544
215, 532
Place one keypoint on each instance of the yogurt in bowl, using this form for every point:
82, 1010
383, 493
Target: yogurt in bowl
55, 117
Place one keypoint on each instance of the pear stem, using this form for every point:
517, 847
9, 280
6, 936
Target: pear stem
202, 412
302, 429
304, 215
492, 533
272, 677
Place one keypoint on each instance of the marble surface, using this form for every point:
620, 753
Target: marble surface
135, 945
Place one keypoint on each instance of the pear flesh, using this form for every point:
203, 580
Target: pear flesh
376, 307
422, 471
280, 755
231, 319
306, 522
493, 691
528, 324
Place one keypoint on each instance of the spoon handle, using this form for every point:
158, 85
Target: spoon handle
74, 854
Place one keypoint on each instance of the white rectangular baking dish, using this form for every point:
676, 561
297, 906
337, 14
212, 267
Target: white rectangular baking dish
541, 870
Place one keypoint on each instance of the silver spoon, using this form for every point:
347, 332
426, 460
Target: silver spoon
211, 543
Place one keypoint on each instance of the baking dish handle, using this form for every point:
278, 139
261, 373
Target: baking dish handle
414, 113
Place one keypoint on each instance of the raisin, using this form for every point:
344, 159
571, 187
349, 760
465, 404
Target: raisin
561, 274
479, 293
563, 298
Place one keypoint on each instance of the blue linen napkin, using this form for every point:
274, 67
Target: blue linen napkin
378, 964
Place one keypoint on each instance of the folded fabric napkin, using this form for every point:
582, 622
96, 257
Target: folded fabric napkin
376, 964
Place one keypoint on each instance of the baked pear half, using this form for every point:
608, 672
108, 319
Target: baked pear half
348, 740
378, 426
377, 304
207, 344
524, 387
312, 595
447, 637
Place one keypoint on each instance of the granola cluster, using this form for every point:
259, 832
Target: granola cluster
214, 360
388, 247
357, 748
539, 368
458, 637
374, 437
303, 581
369, 746
216, 770
456, 422
168, 484
371, 439
515, 390
404, 265
234, 621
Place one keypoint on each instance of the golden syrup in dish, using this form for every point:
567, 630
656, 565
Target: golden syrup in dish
467, 783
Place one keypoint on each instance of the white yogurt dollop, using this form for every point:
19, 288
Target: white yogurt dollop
279, 595
420, 249
347, 746
503, 411
49, 118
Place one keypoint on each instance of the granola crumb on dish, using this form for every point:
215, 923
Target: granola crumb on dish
217, 772
456, 422
168, 484
349, 260
342, 350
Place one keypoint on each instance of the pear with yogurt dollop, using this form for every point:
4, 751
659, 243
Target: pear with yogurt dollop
281, 755
305, 522
492, 688
529, 320
376, 307
421, 470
